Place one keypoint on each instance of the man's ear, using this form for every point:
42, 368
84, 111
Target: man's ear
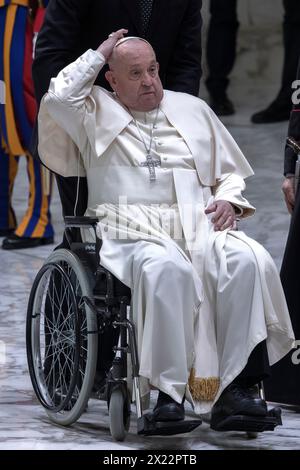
110, 78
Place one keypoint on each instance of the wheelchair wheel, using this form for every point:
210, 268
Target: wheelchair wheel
119, 414
61, 337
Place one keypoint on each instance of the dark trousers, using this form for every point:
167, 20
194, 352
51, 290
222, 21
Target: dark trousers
221, 44
68, 189
291, 43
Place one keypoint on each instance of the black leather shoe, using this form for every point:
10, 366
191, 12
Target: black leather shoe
6, 232
222, 105
14, 242
276, 112
167, 409
237, 400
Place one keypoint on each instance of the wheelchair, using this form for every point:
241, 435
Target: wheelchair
73, 305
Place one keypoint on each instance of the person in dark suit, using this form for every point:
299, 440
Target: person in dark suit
71, 27
287, 370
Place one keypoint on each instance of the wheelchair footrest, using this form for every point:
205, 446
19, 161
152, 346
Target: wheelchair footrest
251, 423
147, 426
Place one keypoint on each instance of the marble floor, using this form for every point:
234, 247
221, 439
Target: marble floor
24, 424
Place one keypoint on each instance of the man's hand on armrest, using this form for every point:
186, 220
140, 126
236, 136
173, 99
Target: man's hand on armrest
224, 217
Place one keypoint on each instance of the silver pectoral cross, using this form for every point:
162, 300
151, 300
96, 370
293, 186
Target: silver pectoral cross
151, 163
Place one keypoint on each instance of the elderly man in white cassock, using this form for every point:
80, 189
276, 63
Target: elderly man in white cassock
165, 179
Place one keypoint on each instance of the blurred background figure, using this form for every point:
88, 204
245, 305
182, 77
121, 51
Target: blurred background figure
280, 108
220, 53
19, 23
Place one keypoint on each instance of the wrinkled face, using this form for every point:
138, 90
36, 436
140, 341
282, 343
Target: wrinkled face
133, 75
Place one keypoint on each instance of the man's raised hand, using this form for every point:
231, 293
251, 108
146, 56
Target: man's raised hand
108, 45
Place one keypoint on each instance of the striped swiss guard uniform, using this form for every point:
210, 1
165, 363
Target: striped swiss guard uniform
20, 20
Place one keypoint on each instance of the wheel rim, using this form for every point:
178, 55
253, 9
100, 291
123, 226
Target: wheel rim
58, 337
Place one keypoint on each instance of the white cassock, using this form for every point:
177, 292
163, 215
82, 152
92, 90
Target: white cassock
201, 300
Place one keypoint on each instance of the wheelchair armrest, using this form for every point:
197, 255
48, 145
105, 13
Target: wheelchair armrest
76, 221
